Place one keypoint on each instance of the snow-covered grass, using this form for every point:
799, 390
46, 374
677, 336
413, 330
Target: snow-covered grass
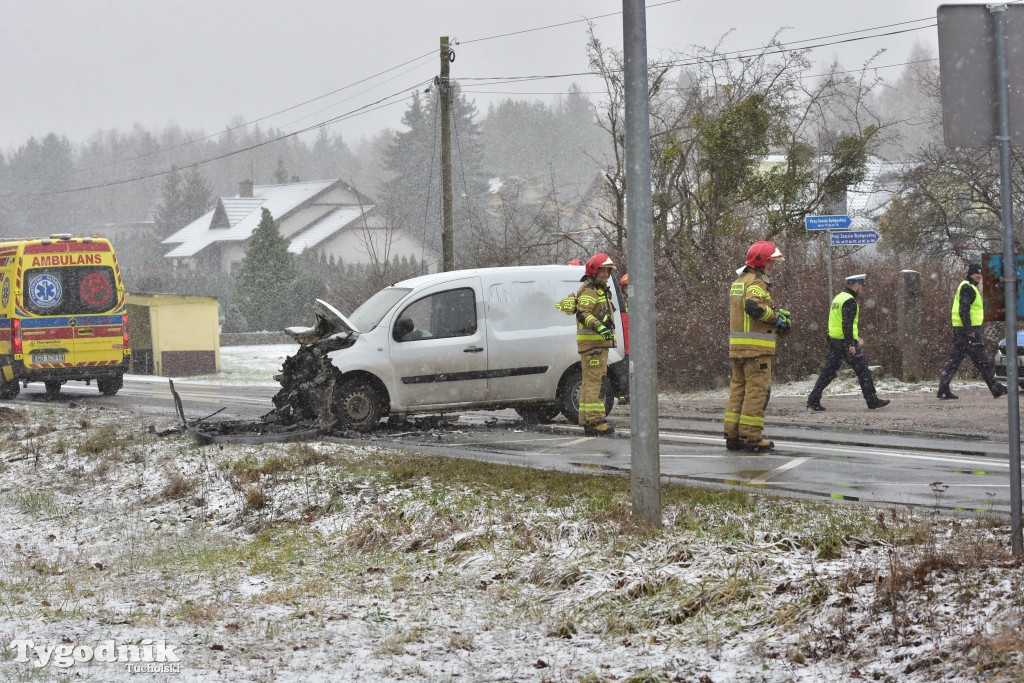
341, 560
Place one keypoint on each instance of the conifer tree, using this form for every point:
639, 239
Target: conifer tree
265, 278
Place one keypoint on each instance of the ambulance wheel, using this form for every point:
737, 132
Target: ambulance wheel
569, 396
53, 388
8, 389
110, 385
357, 405
534, 414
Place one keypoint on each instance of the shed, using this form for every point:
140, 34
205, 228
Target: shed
174, 335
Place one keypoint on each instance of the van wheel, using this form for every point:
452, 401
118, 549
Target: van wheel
110, 386
8, 389
357, 405
569, 396
53, 388
534, 414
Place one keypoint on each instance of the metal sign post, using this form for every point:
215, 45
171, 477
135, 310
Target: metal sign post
839, 222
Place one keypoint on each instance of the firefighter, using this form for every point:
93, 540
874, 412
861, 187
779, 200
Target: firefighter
754, 325
844, 343
595, 334
624, 285
968, 315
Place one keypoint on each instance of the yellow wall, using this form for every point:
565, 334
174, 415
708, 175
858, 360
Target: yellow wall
181, 323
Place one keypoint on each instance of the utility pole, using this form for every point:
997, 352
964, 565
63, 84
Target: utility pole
444, 96
645, 457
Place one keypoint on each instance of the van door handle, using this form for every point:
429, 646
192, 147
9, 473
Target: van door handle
472, 349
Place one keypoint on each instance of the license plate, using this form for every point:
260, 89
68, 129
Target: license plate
48, 358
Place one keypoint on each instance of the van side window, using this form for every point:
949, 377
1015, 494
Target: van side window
441, 315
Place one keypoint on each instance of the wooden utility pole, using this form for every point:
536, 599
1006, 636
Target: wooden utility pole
444, 97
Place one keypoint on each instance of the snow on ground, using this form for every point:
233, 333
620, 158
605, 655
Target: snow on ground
341, 560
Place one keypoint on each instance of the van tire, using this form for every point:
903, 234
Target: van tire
9, 389
53, 388
569, 396
111, 385
535, 414
357, 405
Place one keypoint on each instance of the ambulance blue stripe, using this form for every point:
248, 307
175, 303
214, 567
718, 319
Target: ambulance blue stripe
64, 321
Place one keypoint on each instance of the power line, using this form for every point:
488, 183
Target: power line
263, 118
373, 106
735, 54
564, 23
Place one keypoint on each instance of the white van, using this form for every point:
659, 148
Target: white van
488, 338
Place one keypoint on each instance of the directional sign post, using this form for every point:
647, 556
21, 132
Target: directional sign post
827, 222
850, 237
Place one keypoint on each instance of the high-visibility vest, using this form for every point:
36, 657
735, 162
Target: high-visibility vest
835, 317
977, 306
750, 337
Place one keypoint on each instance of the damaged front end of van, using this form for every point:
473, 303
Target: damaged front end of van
308, 378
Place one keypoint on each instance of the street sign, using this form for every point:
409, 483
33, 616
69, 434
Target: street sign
967, 70
827, 222
840, 238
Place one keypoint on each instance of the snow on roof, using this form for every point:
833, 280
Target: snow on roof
868, 199
325, 227
243, 215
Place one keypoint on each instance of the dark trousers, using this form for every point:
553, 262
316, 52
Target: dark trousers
966, 346
837, 353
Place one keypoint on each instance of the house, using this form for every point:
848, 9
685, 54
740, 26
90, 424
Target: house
328, 217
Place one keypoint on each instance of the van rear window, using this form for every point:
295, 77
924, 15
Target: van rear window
69, 290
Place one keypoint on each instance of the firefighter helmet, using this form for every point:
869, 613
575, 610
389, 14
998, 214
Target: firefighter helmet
761, 253
596, 261
575, 262
624, 280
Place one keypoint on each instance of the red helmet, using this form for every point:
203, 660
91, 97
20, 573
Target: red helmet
624, 280
575, 262
598, 261
761, 253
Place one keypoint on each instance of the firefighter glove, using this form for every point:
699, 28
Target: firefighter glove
604, 331
784, 323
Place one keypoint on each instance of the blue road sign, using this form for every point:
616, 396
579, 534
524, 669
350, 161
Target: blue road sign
827, 222
854, 237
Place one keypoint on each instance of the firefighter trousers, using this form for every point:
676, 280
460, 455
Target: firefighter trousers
749, 391
595, 384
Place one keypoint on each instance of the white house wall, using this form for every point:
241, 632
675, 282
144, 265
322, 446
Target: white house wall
356, 244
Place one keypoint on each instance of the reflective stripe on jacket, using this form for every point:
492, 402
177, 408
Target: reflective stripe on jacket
835, 317
750, 337
977, 306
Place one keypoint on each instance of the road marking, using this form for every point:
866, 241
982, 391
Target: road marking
795, 462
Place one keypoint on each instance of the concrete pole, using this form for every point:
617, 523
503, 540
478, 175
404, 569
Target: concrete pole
444, 95
1009, 276
909, 304
645, 463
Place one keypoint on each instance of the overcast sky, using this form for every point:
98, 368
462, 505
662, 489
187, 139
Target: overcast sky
78, 66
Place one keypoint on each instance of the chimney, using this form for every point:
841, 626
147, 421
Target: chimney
245, 188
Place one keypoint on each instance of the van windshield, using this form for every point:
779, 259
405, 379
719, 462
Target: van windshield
366, 317
70, 290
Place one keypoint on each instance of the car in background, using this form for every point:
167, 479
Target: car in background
999, 364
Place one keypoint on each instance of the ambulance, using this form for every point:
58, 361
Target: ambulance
63, 315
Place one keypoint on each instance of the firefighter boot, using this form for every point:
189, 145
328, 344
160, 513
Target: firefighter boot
760, 446
733, 443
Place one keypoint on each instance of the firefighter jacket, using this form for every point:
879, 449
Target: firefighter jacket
593, 306
967, 306
752, 330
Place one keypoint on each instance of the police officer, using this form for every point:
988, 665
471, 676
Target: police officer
844, 343
595, 334
754, 324
968, 315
